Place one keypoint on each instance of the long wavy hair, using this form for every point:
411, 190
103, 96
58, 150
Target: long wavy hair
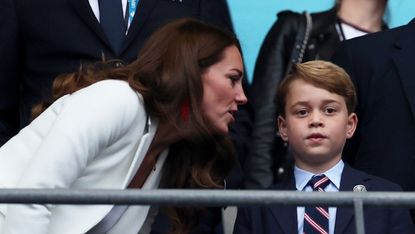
167, 73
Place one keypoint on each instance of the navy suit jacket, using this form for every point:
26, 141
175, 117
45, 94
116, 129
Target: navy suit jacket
283, 219
381, 66
40, 39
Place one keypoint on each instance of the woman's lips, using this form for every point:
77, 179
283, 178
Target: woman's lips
232, 113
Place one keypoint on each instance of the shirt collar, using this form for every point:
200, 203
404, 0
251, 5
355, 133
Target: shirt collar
334, 174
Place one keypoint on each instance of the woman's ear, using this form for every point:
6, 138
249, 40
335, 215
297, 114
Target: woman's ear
351, 125
282, 128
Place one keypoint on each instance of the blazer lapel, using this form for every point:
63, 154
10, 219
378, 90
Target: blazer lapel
84, 10
402, 57
142, 149
144, 9
286, 216
345, 215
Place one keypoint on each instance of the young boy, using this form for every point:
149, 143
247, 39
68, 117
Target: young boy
316, 105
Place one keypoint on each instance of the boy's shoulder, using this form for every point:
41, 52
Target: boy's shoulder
349, 179
371, 182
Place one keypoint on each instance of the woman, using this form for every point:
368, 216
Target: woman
294, 38
181, 93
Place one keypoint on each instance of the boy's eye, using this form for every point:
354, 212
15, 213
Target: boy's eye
330, 110
301, 113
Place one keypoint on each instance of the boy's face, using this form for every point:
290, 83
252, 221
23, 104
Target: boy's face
316, 125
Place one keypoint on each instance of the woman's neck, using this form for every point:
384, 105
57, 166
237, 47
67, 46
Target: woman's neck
366, 14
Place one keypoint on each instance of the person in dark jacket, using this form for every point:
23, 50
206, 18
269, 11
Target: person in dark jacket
381, 66
294, 38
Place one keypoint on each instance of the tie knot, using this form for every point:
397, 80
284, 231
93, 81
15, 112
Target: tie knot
318, 183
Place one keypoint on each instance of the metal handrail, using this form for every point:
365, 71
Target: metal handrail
190, 197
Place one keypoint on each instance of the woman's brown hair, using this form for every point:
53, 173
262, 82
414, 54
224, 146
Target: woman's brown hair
167, 73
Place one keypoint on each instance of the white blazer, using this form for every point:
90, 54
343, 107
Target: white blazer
93, 138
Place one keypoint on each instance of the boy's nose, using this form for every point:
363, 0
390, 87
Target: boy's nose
315, 120
316, 124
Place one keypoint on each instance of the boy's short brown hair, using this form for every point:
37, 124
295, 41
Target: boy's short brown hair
321, 74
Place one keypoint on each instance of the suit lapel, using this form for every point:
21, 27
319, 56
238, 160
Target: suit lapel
286, 216
402, 57
85, 12
144, 9
345, 215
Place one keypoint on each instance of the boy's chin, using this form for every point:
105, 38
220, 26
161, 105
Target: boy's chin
317, 163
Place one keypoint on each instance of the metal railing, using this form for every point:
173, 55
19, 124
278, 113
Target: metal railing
212, 198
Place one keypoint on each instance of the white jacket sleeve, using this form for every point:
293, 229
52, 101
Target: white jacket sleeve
90, 120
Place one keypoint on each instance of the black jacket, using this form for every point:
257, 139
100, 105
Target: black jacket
381, 66
266, 149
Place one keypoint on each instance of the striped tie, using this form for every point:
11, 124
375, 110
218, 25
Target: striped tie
316, 219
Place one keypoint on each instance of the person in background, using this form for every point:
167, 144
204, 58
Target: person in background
161, 121
42, 39
381, 66
315, 106
294, 38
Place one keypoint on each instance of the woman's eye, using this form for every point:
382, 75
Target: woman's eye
234, 80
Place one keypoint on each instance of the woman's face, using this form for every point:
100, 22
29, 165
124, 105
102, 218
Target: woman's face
222, 90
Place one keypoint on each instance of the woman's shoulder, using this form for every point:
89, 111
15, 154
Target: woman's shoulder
287, 21
285, 24
288, 16
111, 86
111, 90
111, 96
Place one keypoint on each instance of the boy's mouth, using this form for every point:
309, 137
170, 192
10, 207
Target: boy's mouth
316, 136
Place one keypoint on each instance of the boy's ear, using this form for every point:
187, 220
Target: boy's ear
351, 125
282, 128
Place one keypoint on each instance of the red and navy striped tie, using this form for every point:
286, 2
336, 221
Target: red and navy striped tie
316, 219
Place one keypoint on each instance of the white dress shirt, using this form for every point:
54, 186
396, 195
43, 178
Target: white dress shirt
351, 32
95, 8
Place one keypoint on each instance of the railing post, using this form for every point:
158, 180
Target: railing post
359, 218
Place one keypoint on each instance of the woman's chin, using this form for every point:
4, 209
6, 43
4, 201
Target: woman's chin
223, 130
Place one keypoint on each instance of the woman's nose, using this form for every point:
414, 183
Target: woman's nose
240, 97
